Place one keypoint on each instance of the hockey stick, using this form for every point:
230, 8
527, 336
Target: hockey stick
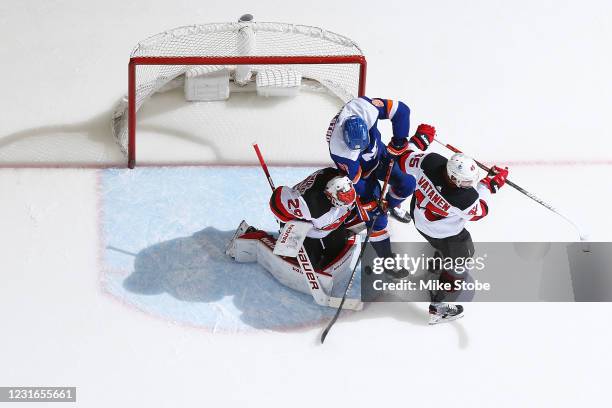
312, 281
264, 166
583, 237
365, 243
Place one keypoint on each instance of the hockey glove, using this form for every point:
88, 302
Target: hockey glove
384, 206
397, 146
373, 208
424, 136
496, 178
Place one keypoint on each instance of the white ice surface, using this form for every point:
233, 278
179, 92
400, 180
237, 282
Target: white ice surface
508, 81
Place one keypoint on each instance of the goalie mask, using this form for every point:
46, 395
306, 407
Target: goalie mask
462, 170
340, 191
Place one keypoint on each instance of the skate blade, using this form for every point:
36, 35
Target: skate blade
397, 279
435, 319
239, 231
406, 219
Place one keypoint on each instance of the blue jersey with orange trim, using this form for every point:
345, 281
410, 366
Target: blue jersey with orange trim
357, 164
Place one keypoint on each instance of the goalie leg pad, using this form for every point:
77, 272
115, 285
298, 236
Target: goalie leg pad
248, 246
258, 246
288, 272
230, 248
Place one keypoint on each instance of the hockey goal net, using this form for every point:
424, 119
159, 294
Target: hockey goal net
212, 61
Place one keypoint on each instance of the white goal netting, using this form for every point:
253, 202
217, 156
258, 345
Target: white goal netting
309, 60
203, 93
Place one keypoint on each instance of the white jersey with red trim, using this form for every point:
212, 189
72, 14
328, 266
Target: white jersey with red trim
307, 202
440, 210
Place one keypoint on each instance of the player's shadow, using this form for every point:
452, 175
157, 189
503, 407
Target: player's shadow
415, 314
48, 145
95, 141
413, 308
196, 269
89, 143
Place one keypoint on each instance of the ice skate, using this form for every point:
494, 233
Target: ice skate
440, 312
230, 248
393, 274
397, 274
401, 215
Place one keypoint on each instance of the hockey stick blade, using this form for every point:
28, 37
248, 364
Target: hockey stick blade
348, 287
351, 304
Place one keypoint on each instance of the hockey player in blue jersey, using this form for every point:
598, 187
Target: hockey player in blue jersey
356, 148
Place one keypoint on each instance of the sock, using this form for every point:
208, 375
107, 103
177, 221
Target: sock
383, 248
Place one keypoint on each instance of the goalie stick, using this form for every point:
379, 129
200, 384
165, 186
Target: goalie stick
383, 192
583, 236
312, 281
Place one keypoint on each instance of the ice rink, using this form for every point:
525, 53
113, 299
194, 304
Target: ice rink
86, 299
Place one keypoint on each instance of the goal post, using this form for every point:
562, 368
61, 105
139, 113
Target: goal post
207, 60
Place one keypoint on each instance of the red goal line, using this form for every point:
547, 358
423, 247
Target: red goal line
510, 163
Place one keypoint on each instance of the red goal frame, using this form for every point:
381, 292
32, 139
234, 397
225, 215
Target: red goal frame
250, 60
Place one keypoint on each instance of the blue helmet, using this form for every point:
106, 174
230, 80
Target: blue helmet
356, 135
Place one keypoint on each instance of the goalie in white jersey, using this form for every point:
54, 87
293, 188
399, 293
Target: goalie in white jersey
449, 192
321, 208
